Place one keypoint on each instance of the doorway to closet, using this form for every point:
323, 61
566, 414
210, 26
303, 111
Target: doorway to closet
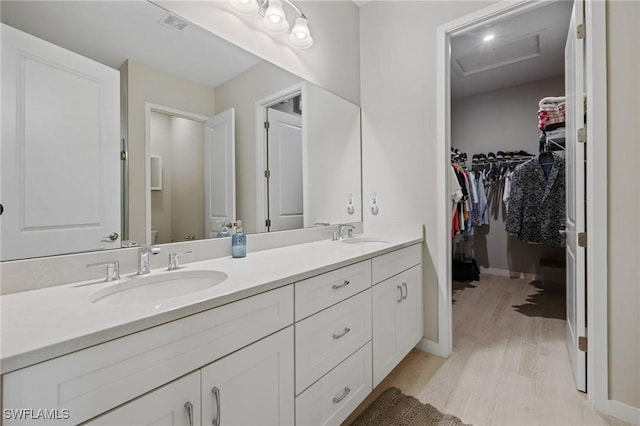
507, 185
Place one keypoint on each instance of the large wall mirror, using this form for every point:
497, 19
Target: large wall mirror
122, 122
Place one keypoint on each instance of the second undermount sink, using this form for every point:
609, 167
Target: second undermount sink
364, 240
153, 288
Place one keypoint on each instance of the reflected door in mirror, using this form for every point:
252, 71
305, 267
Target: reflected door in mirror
60, 150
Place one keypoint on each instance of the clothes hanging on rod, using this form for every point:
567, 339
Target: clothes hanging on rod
537, 200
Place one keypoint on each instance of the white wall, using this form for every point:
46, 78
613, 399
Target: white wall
146, 84
623, 70
242, 92
333, 60
504, 120
398, 92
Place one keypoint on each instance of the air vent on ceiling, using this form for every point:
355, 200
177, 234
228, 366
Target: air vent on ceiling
174, 22
498, 55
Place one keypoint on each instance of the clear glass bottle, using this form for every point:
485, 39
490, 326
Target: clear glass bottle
238, 242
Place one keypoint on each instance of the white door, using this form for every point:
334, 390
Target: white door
219, 171
284, 160
410, 321
253, 386
175, 404
386, 296
60, 179
575, 187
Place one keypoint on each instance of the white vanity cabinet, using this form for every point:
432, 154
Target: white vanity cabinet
97, 379
253, 386
397, 309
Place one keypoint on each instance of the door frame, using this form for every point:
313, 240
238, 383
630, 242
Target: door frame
261, 107
596, 185
148, 109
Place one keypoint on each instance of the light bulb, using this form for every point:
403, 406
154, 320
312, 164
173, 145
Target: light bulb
244, 7
274, 18
488, 37
300, 36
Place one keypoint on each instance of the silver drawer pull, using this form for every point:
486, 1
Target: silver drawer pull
337, 286
216, 395
337, 336
406, 290
399, 297
189, 407
342, 396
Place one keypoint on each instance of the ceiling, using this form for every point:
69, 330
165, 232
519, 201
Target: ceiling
111, 32
526, 48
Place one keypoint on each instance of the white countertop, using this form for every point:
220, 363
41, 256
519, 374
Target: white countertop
42, 324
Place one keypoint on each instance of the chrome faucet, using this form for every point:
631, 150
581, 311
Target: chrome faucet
143, 258
349, 228
174, 261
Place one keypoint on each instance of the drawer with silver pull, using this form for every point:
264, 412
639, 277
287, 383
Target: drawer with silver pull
322, 291
332, 398
324, 340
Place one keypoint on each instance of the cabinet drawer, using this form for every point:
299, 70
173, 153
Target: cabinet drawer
317, 293
393, 263
94, 380
336, 395
327, 338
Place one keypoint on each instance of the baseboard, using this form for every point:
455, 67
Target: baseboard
509, 274
624, 411
434, 348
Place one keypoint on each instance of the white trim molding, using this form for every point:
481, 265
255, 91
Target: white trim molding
434, 348
623, 411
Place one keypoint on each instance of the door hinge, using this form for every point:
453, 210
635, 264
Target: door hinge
581, 31
267, 174
266, 125
582, 343
582, 239
123, 155
582, 136
267, 223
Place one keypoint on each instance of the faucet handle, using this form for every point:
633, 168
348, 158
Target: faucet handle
113, 269
174, 260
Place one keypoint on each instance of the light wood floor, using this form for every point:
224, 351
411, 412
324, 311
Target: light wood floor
509, 365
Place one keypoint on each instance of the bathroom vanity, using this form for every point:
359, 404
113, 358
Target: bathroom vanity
293, 335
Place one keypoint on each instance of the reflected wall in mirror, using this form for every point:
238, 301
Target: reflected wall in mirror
62, 173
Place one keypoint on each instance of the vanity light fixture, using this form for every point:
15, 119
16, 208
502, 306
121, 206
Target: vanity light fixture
275, 20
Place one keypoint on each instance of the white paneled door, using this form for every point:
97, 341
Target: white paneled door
575, 180
60, 150
284, 159
219, 171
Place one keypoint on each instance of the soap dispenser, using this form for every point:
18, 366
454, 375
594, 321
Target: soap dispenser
239, 242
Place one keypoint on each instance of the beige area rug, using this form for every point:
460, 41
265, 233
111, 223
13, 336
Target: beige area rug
395, 408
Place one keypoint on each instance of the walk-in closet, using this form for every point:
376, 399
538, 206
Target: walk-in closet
507, 186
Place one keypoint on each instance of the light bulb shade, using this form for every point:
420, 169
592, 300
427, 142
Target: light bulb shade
274, 18
245, 7
300, 36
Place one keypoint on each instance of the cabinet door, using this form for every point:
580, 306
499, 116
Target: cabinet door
60, 173
386, 298
253, 386
410, 319
175, 404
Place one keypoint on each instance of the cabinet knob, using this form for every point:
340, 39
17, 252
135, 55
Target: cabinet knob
216, 397
337, 286
189, 407
342, 396
337, 336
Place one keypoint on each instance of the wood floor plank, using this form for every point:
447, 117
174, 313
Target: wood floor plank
509, 366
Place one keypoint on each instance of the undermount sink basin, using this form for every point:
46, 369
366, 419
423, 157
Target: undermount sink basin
364, 240
153, 288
